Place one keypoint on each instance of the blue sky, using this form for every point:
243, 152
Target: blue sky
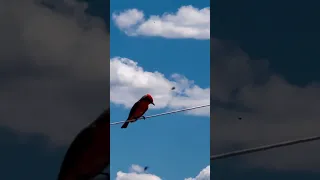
174, 146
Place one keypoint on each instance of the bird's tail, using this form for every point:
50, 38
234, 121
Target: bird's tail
125, 125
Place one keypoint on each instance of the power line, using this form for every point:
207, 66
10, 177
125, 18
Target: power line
264, 148
162, 114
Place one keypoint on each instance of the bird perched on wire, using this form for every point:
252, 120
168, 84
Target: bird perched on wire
138, 109
89, 153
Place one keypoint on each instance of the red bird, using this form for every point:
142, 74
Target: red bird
138, 109
89, 154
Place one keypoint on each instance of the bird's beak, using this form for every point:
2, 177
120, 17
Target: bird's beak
152, 103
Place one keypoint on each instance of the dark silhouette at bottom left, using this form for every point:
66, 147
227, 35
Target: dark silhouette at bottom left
89, 153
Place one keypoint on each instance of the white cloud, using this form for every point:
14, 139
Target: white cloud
136, 176
136, 168
203, 175
129, 82
128, 18
187, 22
137, 173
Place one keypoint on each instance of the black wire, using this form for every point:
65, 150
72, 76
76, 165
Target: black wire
264, 148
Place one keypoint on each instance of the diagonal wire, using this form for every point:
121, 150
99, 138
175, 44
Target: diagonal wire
264, 148
162, 114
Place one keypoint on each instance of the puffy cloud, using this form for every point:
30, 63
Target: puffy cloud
203, 175
187, 22
137, 173
128, 18
136, 168
129, 82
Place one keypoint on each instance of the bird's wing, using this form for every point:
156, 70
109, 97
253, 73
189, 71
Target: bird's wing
137, 111
144, 111
76, 150
80, 144
133, 110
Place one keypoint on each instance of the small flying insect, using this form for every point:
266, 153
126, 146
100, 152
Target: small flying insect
145, 168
